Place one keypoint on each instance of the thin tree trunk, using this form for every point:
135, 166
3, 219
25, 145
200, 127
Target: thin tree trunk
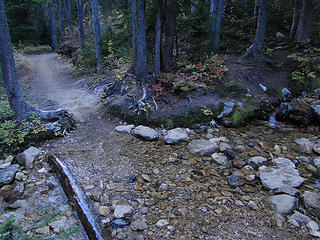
170, 32
255, 48
80, 23
255, 12
54, 39
97, 33
142, 66
295, 19
61, 30
216, 9
305, 22
218, 21
134, 33
67, 11
158, 40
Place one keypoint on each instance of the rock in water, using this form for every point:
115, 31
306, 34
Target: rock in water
280, 176
124, 128
283, 203
7, 174
202, 147
145, 133
27, 157
175, 136
311, 201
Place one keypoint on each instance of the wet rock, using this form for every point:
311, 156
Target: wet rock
240, 148
27, 157
286, 95
124, 128
283, 204
304, 144
300, 218
118, 223
145, 178
163, 187
227, 109
145, 133
220, 158
7, 174
257, 161
303, 159
131, 179
202, 147
120, 211
301, 117
139, 225
283, 112
175, 136
162, 223
316, 162
279, 176
236, 180
311, 201
315, 109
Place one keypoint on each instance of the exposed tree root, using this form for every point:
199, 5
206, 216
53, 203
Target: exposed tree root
155, 104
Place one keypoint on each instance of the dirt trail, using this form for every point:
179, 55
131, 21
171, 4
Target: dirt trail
112, 169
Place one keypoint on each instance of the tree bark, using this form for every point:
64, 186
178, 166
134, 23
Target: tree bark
67, 11
80, 23
295, 19
255, 12
216, 9
158, 40
54, 39
305, 22
61, 30
255, 48
22, 110
97, 33
170, 32
142, 65
134, 33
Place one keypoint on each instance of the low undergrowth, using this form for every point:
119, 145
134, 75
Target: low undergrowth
34, 49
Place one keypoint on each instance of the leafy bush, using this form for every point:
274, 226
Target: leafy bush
306, 76
34, 49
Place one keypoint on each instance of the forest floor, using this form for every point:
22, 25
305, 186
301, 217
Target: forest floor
103, 160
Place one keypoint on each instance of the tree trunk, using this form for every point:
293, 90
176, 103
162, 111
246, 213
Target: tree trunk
142, 65
134, 33
61, 30
54, 39
22, 110
255, 12
170, 32
67, 11
97, 33
295, 19
255, 48
216, 9
305, 22
158, 40
80, 22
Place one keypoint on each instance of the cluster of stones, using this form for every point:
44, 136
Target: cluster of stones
279, 175
26, 187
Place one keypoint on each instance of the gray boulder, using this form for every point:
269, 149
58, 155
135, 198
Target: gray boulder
283, 204
315, 109
145, 133
300, 218
311, 201
202, 147
120, 211
27, 157
7, 174
175, 136
304, 144
220, 158
124, 128
280, 176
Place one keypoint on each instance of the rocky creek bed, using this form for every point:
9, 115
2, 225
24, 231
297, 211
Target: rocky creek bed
256, 182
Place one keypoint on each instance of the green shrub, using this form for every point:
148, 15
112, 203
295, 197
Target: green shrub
34, 49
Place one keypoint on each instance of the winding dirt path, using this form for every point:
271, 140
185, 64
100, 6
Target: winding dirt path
112, 169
